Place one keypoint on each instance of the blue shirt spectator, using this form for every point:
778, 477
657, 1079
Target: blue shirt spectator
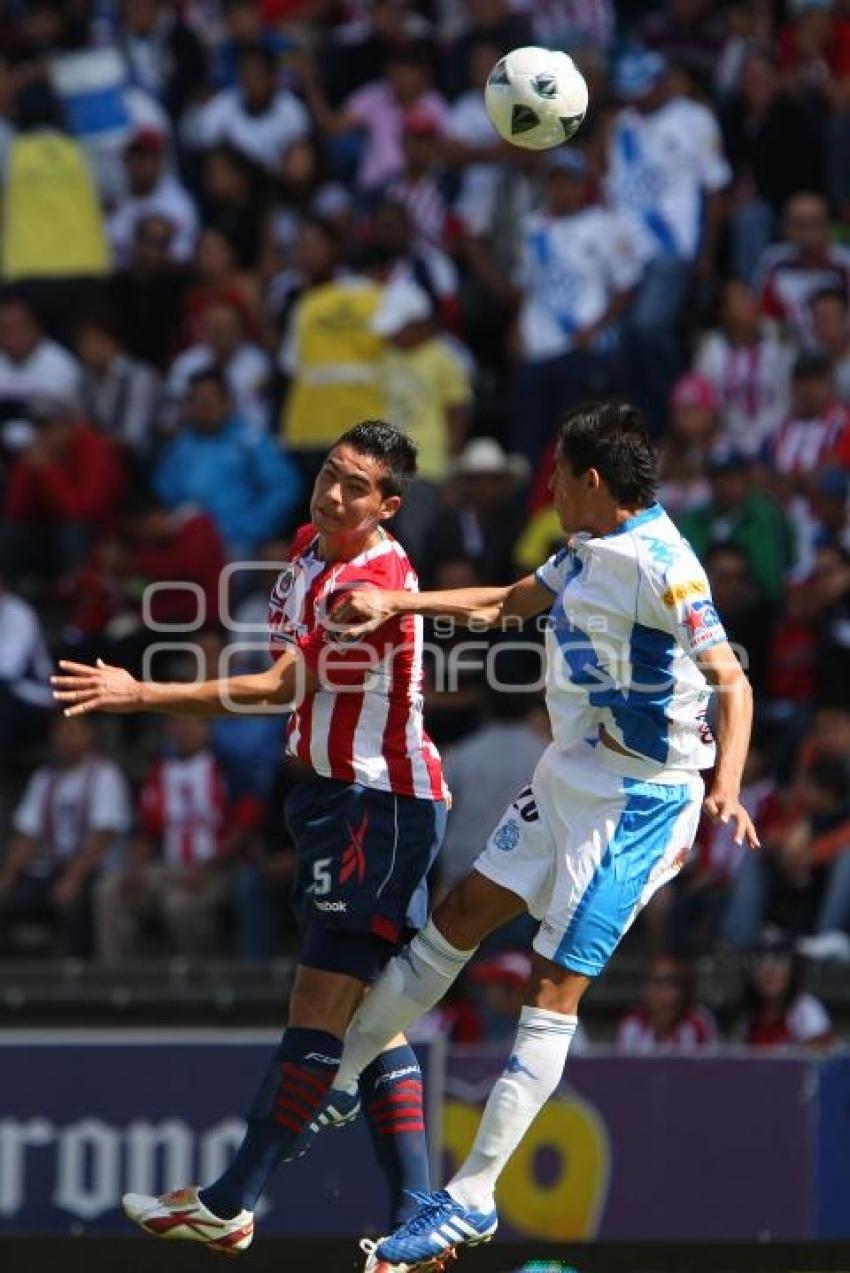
244, 481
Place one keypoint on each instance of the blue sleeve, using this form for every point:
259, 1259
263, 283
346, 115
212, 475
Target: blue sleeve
168, 478
552, 573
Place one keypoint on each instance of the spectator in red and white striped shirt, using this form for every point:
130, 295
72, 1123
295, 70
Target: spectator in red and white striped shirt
669, 1018
791, 273
189, 831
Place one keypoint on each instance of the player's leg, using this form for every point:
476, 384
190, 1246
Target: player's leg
620, 840
418, 978
505, 881
391, 1094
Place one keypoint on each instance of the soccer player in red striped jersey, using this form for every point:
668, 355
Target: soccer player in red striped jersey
367, 818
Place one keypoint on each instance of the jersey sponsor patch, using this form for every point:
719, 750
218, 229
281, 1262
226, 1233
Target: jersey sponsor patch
703, 624
682, 591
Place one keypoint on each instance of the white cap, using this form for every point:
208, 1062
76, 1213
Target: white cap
403, 302
484, 457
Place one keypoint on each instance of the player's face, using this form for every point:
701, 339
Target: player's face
574, 498
348, 501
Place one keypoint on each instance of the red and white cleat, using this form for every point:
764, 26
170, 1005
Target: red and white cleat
375, 1265
181, 1214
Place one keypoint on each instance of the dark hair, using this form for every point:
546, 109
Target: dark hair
811, 364
829, 294
257, 51
830, 774
611, 437
387, 443
210, 375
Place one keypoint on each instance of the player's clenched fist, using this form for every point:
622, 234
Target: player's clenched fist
96, 689
361, 610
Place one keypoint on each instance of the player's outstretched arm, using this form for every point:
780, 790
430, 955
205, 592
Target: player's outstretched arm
102, 688
366, 608
734, 723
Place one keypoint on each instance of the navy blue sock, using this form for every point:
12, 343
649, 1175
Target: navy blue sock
391, 1092
295, 1086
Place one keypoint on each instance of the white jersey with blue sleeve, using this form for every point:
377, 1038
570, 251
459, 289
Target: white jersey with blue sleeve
631, 610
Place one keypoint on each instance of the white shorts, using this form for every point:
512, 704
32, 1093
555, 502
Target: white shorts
586, 847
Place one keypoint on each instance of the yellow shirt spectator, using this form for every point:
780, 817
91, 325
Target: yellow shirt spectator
542, 536
425, 379
52, 222
332, 355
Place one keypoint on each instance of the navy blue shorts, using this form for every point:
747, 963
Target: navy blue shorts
363, 859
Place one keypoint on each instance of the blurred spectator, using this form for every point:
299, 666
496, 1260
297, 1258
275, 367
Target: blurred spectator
118, 394
378, 110
179, 868
53, 227
669, 1019
420, 186
666, 169
573, 25
231, 198
495, 22
741, 514
689, 33
64, 488
32, 365
816, 429
747, 617
218, 280
398, 256
777, 1011
164, 55
484, 520
152, 191
241, 477
481, 769
147, 296
425, 378
580, 264
331, 354
821, 601
256, 118
500, 983
245, 23
789, 274
683, 453
26, 703
749, 367
831, 332
775, 149
223, 347
66, 827
124, 582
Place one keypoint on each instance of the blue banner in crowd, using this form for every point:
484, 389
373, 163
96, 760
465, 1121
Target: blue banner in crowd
663, 1149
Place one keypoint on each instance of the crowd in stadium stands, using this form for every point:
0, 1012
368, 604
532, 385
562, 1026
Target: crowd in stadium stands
231, 229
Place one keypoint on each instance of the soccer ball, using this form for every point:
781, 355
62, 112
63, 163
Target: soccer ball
536, 98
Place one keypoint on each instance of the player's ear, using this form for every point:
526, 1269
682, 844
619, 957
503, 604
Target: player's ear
390, 507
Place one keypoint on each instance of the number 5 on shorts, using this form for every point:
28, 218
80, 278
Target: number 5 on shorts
322, 882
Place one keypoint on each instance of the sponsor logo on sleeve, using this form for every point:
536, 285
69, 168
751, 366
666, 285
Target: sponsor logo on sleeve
703, 624
682, 591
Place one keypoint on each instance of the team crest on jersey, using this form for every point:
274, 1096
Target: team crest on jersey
507, 836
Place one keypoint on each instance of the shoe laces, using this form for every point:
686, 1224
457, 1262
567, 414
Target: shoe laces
433, 1207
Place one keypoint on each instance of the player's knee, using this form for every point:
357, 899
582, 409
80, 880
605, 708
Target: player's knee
473, 909
556, 989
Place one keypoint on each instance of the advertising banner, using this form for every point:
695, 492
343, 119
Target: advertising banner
656, 1149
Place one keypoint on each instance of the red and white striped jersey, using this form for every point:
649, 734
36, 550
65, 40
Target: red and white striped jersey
696, 1029
803, 445
785, 284
184, 805
365, 723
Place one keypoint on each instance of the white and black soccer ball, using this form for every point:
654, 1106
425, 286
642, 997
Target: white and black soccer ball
536, 98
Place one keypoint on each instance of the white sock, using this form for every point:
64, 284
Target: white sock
411, 983
525, 1085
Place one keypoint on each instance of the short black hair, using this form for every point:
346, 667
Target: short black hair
811, 364
257, 51
829, 294
389, 444
611, 437
209, 375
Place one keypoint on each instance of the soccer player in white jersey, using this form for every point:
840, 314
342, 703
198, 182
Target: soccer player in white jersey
634, 649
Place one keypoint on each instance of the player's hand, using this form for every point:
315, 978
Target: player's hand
360, 611
722, 806
96, 689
